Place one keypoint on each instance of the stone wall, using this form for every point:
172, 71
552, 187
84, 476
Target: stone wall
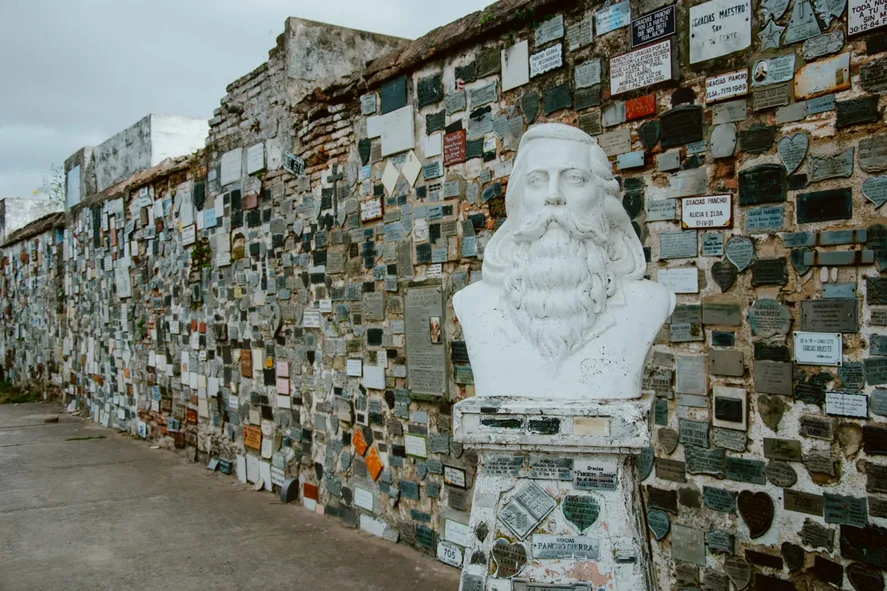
289, 324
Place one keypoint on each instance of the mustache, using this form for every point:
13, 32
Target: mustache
534, 225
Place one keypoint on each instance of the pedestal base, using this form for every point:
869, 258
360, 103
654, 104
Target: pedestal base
556, 505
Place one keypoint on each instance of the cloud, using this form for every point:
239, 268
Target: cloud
77, 72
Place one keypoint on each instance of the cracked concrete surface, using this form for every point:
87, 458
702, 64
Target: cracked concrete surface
112, 513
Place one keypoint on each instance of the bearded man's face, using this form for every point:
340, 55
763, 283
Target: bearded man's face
557, 285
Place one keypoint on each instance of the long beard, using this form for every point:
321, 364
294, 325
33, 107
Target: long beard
557, 285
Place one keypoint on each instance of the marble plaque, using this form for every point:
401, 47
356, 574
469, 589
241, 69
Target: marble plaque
718, 28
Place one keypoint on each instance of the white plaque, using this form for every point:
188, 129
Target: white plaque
725, 86
613, 17
719, 27
818, 348
311, 319
232, 163
370, 210
189, 235
865, 15
449, 554
415, 445
685, 280
354, 367
456, 532
566, 547
708, 211
363, 498
255, 158
641, 67
846, 405
546, 60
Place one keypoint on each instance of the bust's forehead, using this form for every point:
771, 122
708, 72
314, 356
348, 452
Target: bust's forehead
556, 153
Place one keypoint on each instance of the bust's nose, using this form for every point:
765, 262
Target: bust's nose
554, 196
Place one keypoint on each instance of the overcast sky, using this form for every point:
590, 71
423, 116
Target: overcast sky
75, 72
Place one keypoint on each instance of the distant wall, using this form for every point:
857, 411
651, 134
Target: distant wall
16, 213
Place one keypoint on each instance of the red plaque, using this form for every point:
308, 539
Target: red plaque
640, 107
358, 441
454, 147
374, 463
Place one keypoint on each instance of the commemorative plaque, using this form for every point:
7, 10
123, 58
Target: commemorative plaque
641, 68
756, 510
865, 15
773, 377
820, 168
857, 111
740, 251
653, 26
769, 272
829, 315
762, 184
719, 27
757, 138
681, 125
873, 153
792, 150
726, 86
824, 206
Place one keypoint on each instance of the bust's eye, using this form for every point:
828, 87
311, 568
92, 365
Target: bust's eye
575, 177
537, 179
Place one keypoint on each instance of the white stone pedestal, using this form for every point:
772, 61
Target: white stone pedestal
556, 494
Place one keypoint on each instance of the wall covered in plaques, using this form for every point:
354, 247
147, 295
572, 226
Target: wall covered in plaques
31, 311
282, 302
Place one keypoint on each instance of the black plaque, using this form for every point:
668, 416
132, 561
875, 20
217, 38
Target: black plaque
557, 98
681, 125
757, 139
435, 121
763, 559
857, 111
876, 290
762, 184
866, 544
659, 498
769, 352
768, 583
585, 98
429, 90
769, 272
824, 206
653, 26
394, 94
649, 133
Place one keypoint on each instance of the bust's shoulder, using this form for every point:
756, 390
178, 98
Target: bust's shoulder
649, 295
474, 299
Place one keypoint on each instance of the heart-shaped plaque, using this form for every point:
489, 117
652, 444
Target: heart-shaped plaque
659, 523
797, 259
794, 555
771, 409
740, 251
738, 571
364, 148
510, 558
668, 439
757, 512
481, 531
875, 190
724, 274
645, 463
581, 510
865, 578
792, 149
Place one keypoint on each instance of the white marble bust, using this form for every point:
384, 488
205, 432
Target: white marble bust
563, 310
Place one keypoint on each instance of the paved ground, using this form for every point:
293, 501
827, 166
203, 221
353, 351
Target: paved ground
114, 514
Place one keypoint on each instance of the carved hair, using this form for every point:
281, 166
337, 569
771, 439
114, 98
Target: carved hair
626, 255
